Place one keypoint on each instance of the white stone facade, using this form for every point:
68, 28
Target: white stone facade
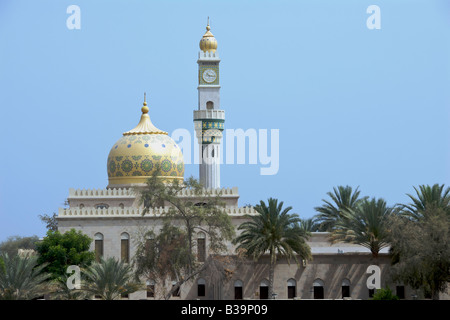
332, 264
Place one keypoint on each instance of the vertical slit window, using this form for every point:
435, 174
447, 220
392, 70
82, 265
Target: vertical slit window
201, 247
150, 289
264, 290
125, 247
98, 243
291, 286
176, 293
346, 288
318, 289
238, 290
400, 292
201, 287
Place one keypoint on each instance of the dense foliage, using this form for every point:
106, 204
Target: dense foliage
60, 250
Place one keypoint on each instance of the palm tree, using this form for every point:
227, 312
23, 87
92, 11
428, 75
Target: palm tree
428, 199
342, 199
309, 225
366, 225
110, 279
21, 278
273, 231
61, 291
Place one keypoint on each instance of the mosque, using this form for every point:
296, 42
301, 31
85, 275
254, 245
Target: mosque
111, 216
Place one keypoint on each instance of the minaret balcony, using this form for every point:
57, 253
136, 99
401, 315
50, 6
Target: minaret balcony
209, 114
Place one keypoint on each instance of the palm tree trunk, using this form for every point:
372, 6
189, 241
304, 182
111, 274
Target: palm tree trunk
435, 295
273, 258
435, 291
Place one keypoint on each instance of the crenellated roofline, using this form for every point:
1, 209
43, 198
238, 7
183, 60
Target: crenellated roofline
130, 193
132, 212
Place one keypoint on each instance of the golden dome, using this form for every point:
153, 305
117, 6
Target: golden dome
134, 157
208, 42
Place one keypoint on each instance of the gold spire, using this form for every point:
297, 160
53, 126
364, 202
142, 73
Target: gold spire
208, 42
145, 125
144, 109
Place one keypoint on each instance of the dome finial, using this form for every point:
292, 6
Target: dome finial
145, 125
144, 109
208, 42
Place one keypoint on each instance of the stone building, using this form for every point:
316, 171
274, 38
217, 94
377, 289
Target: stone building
112, 215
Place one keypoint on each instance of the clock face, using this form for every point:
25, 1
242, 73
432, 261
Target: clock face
209, 75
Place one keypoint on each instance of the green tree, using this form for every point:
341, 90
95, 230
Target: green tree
51, 223
60, 250
12, 244
110, 279
274, 232
434, 197
366, 225
163, 256
384, 294
421, 251
202, 212
22, 278
342, 198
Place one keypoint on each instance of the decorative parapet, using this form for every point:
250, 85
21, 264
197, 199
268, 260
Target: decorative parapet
223, 192
117, 212
208, 55
101, 193
239, 211
113, 212
209, 114
129, 193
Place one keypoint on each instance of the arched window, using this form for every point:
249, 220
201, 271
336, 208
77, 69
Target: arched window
201, 247
201, 287
149, 241
209, 105
264, 289
81, 206
238, 290
176, 293
125, 247
150, 289
345, 288
121, 205
98, 244
318, 289
291, 287
200, 204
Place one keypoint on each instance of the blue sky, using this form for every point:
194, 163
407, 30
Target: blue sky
354, 106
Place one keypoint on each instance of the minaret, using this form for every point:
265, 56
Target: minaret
209, 119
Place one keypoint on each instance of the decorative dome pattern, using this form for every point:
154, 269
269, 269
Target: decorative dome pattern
134, 157
208, 42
